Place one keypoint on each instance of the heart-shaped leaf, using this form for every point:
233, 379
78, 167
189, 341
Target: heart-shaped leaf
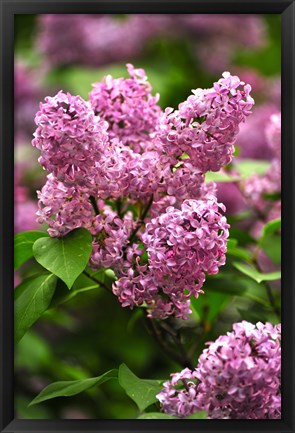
32, 298
23, 246
67, 388
65, 257
142, 391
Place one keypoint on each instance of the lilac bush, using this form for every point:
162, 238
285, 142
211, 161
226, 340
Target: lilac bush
237, 377
133, 176
96, 40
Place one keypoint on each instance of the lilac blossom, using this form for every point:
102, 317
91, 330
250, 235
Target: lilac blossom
273, 134
71, 138
124, 173
119, 148
240, 373
185, 182
178, 397
252, 140
206, 125
66, 208
133, 165
258, 188
128, 106
237, 377
183, 246
111, 240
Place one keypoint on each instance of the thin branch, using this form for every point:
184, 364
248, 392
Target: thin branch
141, 220
94, 204
100, 283
169, 351
119, 207
268, 289
178, 343
271, 299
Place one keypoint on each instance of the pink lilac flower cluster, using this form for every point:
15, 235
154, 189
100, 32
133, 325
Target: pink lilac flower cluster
257, 189
206, 125
253, 141
97, 39
182, 245
179, 395
237, 377
116, 169
133, 164
71, 138
128, 106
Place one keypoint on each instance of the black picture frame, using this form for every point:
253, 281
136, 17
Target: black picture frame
286, 8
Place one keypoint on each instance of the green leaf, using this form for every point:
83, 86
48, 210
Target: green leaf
235, 251
248, 167
32, 298
225, 283
67, 388
32, 353
23, 246
274, 196
236, 284
240, 253
270, 228
142, 391
255, 275
65, 257
209, 305
212, 176
271, 245
231, 243
242, 236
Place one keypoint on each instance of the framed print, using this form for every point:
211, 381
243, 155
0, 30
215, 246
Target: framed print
147, 207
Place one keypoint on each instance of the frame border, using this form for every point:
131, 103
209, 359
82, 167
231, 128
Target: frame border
286, 8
